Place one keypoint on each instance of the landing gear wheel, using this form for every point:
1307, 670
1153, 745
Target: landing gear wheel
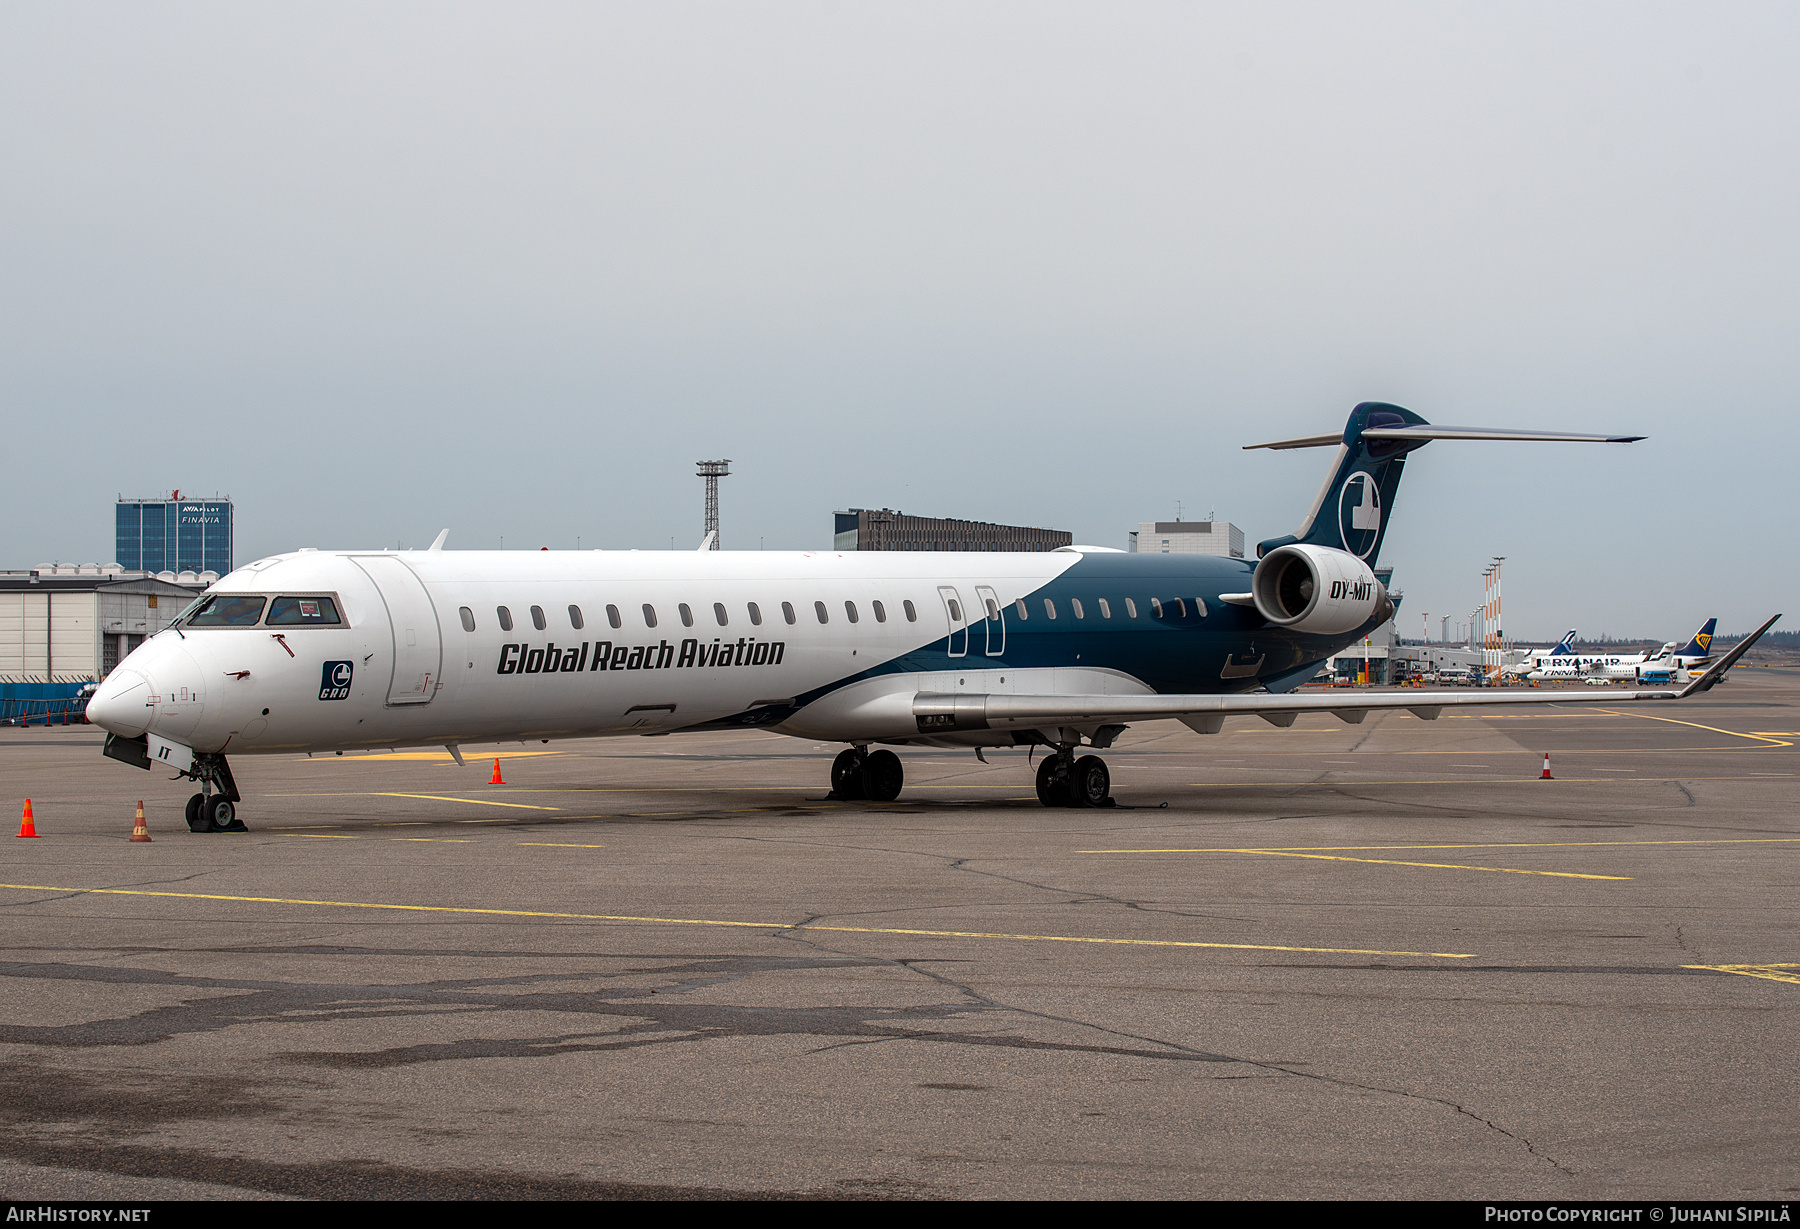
221, 814
1090, 784
882, 776
847, 776
1053, 781
196, 823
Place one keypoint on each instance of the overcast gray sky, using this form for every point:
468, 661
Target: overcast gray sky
374, 269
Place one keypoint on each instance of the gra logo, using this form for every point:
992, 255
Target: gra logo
334, 680
1359, 514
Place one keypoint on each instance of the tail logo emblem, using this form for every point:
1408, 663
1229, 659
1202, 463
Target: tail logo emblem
1359, 514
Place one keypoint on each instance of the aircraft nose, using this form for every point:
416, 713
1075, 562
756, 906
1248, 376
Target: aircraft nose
122, 705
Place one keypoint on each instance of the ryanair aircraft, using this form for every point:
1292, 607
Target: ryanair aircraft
320, 651
1561, 663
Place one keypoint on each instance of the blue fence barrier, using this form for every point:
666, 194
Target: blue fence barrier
41, 703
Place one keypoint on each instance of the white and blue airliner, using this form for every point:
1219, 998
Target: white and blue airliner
322, 651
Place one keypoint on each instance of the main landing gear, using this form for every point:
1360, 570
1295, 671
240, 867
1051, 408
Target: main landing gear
1064, 781
859, 774
208, 811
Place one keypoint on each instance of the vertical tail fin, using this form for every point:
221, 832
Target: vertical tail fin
1701, 644
1352, 508
1565, 646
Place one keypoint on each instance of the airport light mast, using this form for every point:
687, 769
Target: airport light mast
712, 471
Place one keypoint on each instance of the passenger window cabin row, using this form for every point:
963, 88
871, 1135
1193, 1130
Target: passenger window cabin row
686, 613
1176, 607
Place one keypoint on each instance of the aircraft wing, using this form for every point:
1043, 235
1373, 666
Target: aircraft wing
946, 712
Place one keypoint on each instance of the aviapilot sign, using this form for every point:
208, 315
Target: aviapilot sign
588, 657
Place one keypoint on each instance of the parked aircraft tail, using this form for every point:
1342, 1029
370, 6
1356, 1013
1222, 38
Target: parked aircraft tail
1565, 646
1351, 510
1701, 644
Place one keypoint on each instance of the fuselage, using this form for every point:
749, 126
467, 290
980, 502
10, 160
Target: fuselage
323, 651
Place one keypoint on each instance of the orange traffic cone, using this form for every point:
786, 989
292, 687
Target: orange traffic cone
1546, 776
495, 781
26, 827
139, 832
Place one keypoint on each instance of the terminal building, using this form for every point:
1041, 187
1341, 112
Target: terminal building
1188, 538
885, 529
73, 624
173, 535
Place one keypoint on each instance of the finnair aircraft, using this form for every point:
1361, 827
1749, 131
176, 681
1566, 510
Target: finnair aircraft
1621, 665
320, 651
1556, 655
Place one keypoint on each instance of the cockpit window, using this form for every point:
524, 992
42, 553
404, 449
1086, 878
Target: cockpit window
303, 611
227, 610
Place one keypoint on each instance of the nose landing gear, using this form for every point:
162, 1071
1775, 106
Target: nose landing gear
208, 811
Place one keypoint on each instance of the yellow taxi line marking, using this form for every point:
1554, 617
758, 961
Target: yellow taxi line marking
1774, 742
322, 836
1754, 840
1772, 972
1441, 866
474, 802
557, 845
1732, 748
1482, 781
433, 840
685, 921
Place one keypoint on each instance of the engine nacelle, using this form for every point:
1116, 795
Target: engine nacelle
1317, 589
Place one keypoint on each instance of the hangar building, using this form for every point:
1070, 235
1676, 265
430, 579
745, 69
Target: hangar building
69, 624
886, 529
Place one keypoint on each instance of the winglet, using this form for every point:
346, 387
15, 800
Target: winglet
1717, 670
437, 543
706, 543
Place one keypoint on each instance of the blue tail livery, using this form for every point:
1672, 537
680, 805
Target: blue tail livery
1701, 644
1351, 511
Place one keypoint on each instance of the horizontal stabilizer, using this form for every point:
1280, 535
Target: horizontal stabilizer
1303, 441
1427, 431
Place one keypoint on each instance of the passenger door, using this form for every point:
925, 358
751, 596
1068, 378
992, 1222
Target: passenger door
418, 644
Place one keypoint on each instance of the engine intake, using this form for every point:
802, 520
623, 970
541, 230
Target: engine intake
1318, 590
